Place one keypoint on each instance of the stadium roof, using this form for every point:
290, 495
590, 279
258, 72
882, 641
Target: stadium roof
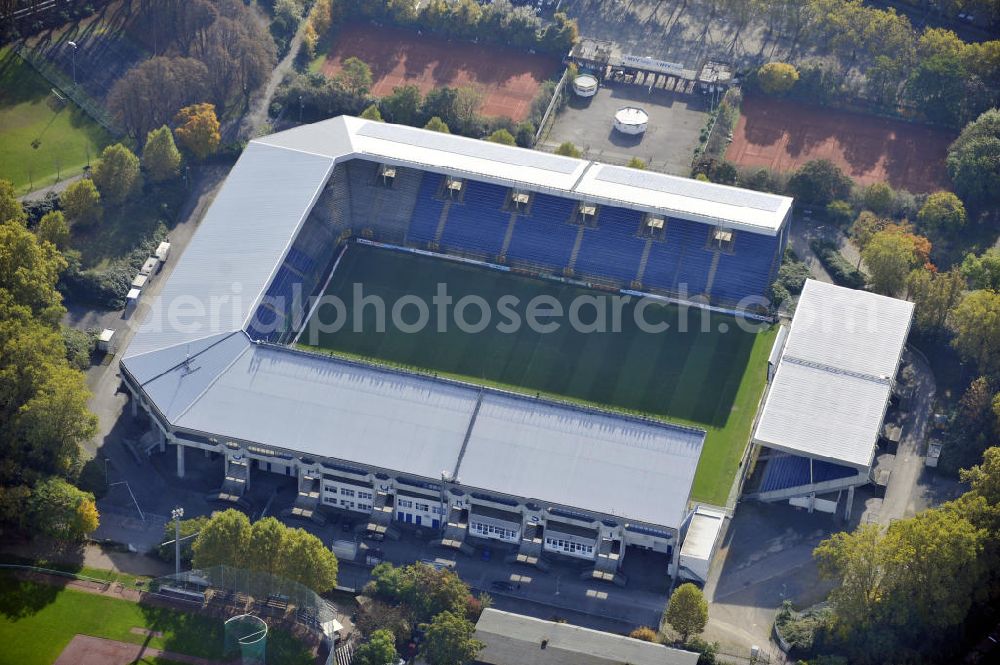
515, 639
230, 387
832, 386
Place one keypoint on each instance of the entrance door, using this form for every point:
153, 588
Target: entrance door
417, 520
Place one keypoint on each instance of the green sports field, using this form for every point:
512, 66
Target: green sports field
37, 621
710, 375
39, 139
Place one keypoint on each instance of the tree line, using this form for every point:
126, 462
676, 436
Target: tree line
214, 51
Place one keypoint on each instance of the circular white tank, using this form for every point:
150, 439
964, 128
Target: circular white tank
585, 85
631, 120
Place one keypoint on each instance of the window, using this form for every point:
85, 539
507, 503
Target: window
364, 506
438, 510
364, 495
405, 503
721, 239
346, 503
423, 506
346, 492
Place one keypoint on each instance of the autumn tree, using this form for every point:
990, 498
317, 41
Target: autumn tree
150, 93
502, 136
82, 202
467, 102
160, 157
54, 229
11, 209
198, 129
878, 197
687, 611
355, 76
890, 257
239, 56
380, 649
567, 149
934, 296
372, 113
61, 511
117, 174
436, 124
450, 640
224, 540
976, 323
943, 212
421, 588
777, 78
866, 226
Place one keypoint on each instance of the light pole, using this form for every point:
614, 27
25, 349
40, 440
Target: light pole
177, 513
107, 478
74, 46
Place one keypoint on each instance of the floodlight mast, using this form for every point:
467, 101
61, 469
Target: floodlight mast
177, 513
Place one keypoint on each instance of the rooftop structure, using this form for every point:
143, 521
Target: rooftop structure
513, 639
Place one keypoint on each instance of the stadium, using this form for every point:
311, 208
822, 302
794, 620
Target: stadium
562, 443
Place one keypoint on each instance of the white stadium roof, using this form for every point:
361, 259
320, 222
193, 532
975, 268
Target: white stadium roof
201, 372
833, 382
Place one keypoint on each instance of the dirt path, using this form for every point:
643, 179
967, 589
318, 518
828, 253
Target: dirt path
87, 650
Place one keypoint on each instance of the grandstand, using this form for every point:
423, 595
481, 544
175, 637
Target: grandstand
470, 461
832, 378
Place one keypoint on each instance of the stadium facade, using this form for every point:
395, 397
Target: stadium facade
212, 367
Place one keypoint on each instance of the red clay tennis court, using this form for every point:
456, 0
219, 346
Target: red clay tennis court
781, 135
509, 79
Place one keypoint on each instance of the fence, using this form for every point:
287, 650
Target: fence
553, 103
57, 79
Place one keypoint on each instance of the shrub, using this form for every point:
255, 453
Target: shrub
776, 78
840, 269
644, 633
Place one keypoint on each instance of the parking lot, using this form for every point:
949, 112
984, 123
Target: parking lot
675, 121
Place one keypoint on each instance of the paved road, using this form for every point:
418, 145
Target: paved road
56, 188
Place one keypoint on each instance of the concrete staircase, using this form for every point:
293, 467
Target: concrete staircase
529, 551
606, 565
380, 523
455, 531
234, 484
306, 502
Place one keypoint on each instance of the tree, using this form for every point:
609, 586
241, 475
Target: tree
11, 209
716, 170
934, 296
356, 77
82, 202
440, 102
879, 197
450, 640
188, 528
380, 649
890, 257
983, 271
819, 182
943, 212
839, 212
524, 134
403, 105
61, 511
238, 53
974, 160
502, 136
436, 124
372, 113
160, 157
117, 174
776, 78
567, 149
637, 163
150, 93
224, 540
644, 633
976, 323
308, 561
54, 229
378, 615
198, 129
937, 85
687, 611
426, 591
467, 103
267, 542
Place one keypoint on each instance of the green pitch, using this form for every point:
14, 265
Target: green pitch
711, 375
40, 139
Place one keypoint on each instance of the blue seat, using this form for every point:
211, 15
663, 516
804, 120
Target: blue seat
479, 223
783, 471
749, 270
612, 249
427, 211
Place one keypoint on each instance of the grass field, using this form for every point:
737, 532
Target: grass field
712, 380
38, 138
37, 621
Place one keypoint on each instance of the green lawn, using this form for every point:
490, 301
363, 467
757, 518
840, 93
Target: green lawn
712, 379
37, 621
40, 139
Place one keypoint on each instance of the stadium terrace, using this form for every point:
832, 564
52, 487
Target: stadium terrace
394, 446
